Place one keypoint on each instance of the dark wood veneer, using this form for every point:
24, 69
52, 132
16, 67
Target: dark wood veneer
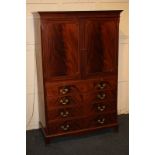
80, 71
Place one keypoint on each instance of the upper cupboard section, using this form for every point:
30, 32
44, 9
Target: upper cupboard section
79, 45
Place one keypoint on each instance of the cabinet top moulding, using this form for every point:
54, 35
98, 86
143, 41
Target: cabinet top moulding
99, 13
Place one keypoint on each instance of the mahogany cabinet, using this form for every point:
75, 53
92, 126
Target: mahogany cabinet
79, 69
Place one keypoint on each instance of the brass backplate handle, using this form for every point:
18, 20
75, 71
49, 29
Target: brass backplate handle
101, 108
101, 121
64, 113
101, 96
65, 127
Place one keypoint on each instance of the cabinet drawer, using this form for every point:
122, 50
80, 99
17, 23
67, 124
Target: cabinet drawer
100, 96
63, 101
92, 121
100, 120
57, 127
101, 108
80, 86
66, 88
65, 113
103, 84
61, 89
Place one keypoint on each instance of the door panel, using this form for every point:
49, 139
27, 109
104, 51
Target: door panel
101, 46
61, 49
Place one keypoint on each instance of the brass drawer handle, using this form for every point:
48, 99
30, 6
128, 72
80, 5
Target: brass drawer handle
101, 96
101, 108
101, 85
101, 121
64, 113
64, 101
65, 127
64, 90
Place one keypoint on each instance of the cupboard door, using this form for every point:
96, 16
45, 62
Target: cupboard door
60, 49
101, 46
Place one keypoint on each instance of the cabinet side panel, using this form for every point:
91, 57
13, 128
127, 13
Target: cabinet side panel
40, 84
40, 90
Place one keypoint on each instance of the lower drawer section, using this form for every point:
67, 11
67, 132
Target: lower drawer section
92, 121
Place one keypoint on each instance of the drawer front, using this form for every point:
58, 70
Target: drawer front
65, 113
101, 108
100, 120
57, 127
103, 84
100, 96
68, 88
92, 121
78, 87
63, 101
56, 90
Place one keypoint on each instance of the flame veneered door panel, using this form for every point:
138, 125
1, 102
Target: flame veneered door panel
61, 49
101, 45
